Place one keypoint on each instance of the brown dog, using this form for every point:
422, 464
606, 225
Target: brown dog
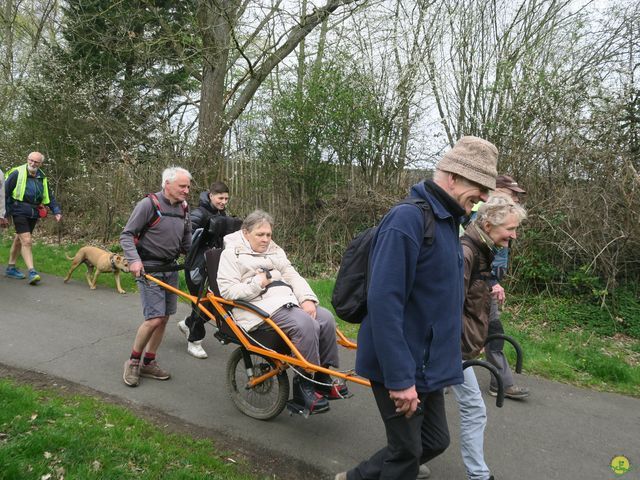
101, 261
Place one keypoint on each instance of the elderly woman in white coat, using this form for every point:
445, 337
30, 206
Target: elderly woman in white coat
253, 268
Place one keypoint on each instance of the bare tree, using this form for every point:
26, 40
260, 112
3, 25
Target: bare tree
22, 26
234, 68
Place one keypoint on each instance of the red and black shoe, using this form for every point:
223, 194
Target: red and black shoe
329, 388
305, 395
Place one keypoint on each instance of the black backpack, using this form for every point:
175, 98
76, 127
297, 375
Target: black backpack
349, 297
202, 240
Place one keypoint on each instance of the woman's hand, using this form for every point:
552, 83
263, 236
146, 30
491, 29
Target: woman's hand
309, 306
264, 280
498, 293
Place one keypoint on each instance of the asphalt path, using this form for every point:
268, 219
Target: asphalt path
83, 336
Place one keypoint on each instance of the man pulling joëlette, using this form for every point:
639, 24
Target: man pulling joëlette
156, 235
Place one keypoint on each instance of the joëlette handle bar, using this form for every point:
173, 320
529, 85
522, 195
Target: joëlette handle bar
512, 341
171, 267
297, 359
494, 372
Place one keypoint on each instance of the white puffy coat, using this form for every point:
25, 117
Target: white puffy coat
238, 280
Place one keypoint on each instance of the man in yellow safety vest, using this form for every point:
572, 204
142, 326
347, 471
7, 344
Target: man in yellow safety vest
27, 196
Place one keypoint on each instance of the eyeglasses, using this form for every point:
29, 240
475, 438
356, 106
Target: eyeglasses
483, 190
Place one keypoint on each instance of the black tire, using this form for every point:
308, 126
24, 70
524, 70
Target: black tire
264, 401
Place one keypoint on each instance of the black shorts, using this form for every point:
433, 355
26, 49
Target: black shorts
24, 224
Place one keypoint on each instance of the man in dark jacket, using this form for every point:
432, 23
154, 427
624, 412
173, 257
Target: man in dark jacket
211, 204
212, 207
409, 342
27, 194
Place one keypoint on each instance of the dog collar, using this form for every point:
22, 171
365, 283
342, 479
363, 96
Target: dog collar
113, 263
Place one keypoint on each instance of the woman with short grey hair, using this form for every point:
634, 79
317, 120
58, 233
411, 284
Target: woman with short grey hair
494, 226
253, 268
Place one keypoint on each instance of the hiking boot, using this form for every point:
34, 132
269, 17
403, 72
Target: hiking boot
512, 392
153, 370
13, 272
195, 349
332, 389
131, 375
423, 472
182, 326
304, 394
34, 277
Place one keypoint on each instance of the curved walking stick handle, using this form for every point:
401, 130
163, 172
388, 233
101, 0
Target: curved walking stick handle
512, 341
494, 372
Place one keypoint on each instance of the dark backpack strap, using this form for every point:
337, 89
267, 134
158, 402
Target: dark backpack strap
429, 221
476, 274
213, 261
157, 211
155, 218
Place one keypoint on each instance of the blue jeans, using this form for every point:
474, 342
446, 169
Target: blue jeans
473, 419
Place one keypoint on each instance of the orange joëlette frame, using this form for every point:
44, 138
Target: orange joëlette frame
281, 360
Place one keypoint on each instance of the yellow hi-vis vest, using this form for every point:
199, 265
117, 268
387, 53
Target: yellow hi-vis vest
21, 184
473, 210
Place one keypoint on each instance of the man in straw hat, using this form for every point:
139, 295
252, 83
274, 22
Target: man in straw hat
409, 342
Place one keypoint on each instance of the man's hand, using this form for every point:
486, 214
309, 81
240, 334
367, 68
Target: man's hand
136, 268
309, 306
498, 293
58, 217
406, 401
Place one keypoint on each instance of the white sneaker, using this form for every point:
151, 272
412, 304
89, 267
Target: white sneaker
423, 472
182, 326
195, 349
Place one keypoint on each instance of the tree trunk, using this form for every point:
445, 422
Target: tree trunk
7, 39
216, 20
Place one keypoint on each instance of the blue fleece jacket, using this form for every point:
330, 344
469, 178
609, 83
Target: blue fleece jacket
411, 335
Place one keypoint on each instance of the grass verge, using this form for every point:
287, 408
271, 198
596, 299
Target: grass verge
45, 435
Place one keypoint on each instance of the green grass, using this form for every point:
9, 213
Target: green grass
45, 433
564, 348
